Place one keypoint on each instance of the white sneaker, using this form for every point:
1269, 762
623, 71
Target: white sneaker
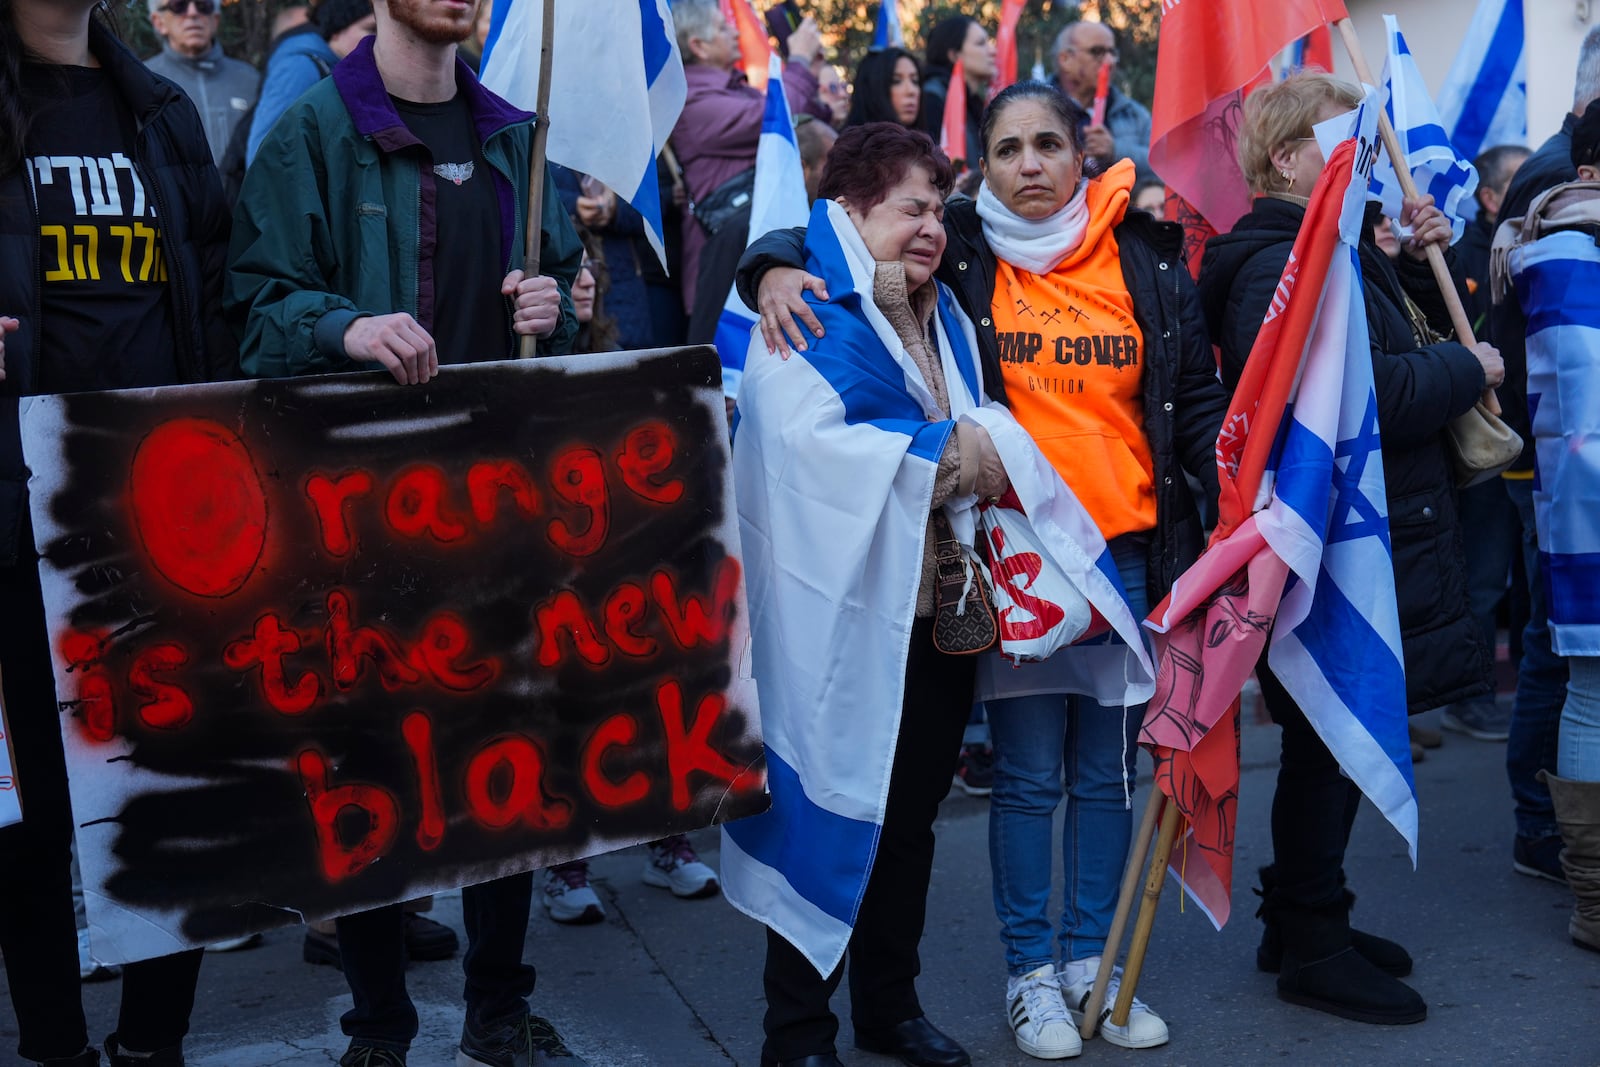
568, 897
673, 864
1145, 1028
1039, 1018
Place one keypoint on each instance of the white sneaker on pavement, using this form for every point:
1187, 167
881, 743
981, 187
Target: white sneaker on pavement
672, 863
568, 896
1039, 1018
1145, 1028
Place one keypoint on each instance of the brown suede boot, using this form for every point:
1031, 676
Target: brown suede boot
1577, 807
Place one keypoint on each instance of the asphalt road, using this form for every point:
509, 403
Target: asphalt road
677, 983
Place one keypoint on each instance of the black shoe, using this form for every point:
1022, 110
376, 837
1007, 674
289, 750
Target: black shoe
321, 948
823, 1059
916, 1042
371, 1056
527, 1040
429, 940
1539, 858
87, 1058
1386, 955
1321, 970
117, 1056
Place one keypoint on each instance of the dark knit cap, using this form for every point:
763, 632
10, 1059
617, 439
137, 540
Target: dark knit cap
1586, 138
331, 16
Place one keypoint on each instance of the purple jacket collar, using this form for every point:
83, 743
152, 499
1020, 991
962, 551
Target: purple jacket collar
361, 87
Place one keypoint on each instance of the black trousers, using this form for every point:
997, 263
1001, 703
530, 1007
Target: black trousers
372, 949
1313, 808
882, 956
38, 935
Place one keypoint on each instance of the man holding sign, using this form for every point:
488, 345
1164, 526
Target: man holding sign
407, 254
1118, 126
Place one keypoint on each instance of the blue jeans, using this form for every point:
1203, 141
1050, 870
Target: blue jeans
1035, 737
1579, 758
1487, 511
1541, 691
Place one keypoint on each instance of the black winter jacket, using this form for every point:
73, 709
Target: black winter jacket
1419, 390
1184, 403
174, 163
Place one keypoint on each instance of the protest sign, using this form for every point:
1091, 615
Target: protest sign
326, 643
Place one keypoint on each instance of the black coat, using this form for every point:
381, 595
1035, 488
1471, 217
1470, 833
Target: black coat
174, 163
1419, 390
1184, 403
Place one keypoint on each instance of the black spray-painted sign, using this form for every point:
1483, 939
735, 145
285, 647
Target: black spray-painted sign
326, 643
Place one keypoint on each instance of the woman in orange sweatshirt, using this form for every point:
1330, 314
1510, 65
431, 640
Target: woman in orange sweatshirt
1091, 331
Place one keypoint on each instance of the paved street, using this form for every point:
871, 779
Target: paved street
677, 983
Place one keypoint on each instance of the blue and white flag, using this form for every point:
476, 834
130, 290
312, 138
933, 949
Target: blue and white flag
1434, 164
1558, 286
616, 89
1336, 644
1484, 99
887, 33
835, 453
777, 202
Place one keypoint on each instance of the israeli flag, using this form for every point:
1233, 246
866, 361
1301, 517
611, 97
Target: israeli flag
1484, 99
1432, 159
1336, 644
1558, 286
777, 203
616, 89
887, 33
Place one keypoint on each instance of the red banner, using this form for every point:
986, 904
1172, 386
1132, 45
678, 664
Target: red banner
1005, 46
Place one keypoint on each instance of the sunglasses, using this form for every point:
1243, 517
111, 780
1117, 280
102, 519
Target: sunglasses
181, 7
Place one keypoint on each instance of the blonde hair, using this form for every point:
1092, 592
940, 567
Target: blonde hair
1284, 112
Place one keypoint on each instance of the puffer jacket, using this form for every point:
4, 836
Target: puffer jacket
1420, 388
1184, 403
174, 163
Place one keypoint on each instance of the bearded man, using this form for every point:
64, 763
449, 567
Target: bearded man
378, 224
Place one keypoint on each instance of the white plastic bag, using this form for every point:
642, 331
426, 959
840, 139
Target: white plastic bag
1039, 610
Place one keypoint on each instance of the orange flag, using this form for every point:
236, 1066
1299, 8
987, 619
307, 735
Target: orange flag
1005, 46
953, 134
754, 47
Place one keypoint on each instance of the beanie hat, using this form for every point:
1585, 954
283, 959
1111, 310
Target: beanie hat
331, 16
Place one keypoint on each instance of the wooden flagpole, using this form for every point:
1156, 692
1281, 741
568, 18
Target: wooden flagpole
1171, 818
1408, 186
1119, 921
527, 344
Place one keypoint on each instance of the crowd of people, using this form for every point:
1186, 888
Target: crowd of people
308, 213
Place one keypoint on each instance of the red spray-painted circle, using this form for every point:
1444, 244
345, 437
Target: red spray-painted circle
199, 506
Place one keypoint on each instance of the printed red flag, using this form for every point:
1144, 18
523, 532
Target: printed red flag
1005, 46
1211, 53
1210, 630
953, 134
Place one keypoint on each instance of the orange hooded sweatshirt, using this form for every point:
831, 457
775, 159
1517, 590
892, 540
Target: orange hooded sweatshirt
1072, 356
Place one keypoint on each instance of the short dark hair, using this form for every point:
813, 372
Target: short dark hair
948, 36
867, 161
869, 99
1066, 109
1496, 165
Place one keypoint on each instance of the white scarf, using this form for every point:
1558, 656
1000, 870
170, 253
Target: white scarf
1035, 245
